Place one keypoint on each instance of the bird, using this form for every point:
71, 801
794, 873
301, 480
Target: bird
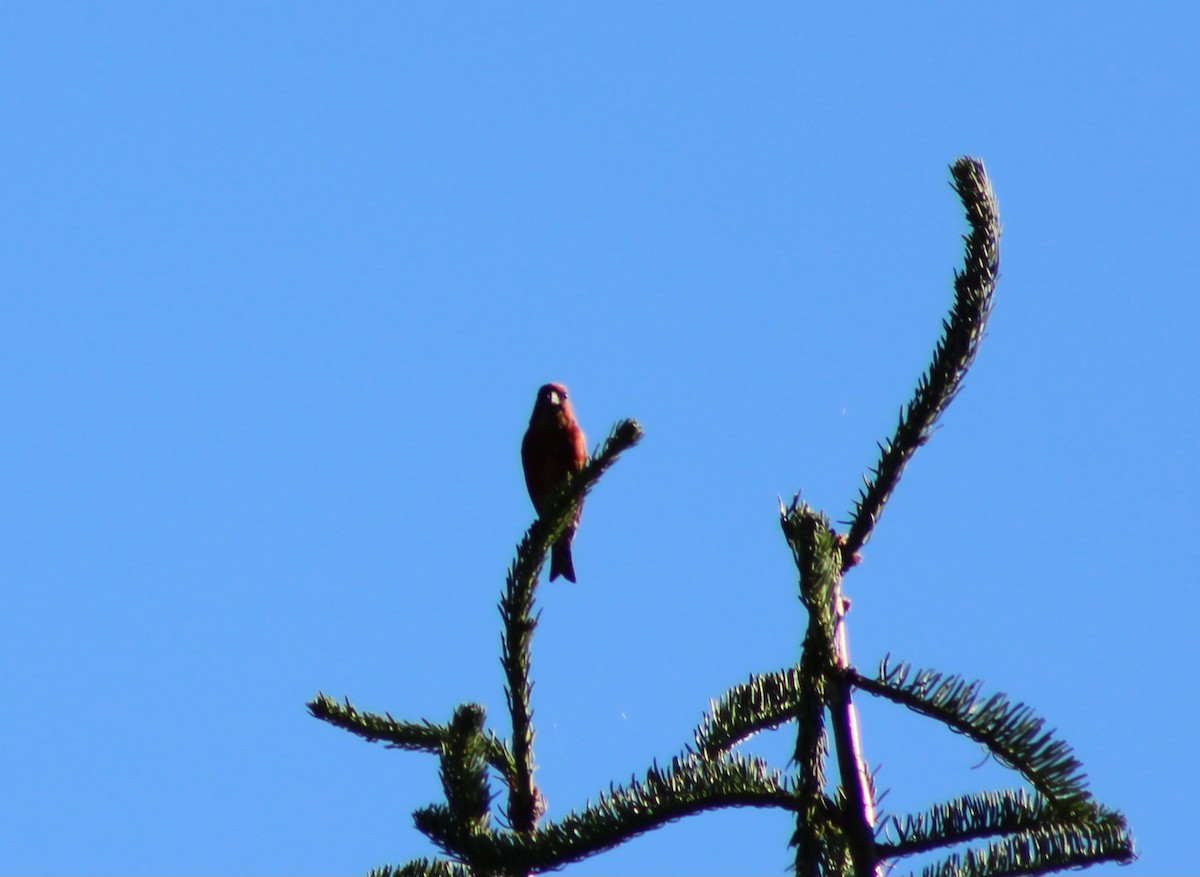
554, 446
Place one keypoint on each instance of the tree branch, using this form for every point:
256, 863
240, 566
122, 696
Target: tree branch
817, 552
516, 610
955, 351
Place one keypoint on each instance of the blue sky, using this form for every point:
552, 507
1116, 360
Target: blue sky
281, 281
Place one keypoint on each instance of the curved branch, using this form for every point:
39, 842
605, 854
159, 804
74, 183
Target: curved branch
690, 785
980, 815
763, 702
955, 351
1012, 733
1048, 849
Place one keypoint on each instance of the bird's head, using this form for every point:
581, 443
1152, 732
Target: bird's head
551, 404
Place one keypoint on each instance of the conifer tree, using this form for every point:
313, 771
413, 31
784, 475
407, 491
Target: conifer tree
1053, 825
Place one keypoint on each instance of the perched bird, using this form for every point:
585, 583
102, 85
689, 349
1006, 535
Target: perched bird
554, 446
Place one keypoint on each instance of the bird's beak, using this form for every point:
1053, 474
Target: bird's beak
555, 399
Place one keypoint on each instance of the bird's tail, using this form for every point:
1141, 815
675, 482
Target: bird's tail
560, 559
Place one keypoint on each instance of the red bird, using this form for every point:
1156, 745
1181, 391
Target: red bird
554, 446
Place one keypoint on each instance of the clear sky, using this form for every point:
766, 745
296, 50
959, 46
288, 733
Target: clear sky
280, 282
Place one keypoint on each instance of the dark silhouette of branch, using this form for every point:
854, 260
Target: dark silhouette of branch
818, 555
688, 786
1012, 733
953, 355
516, 610
982, 815
422, 736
